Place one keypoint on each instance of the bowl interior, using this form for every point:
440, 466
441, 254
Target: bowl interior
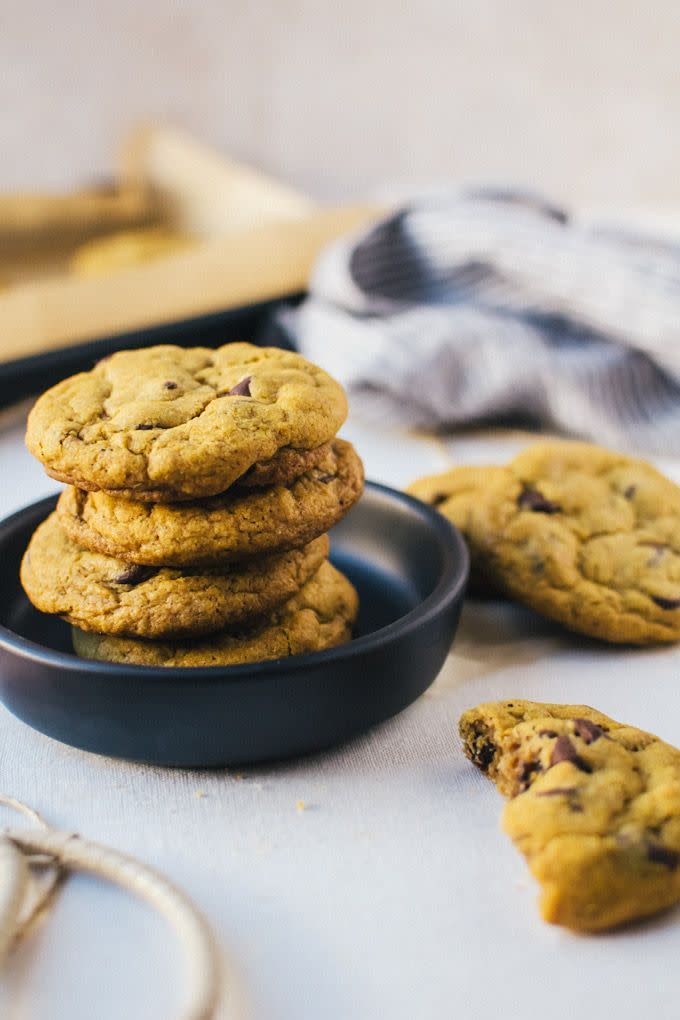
393, 550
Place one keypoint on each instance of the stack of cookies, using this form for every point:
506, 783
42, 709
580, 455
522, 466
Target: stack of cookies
583, 535
201, 487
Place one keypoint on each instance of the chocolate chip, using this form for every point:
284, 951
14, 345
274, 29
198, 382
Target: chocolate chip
325, 478
528, 769
630, 491
564, 750
532, 499
666, 603
242, 388
135, 574
169, 385
660, 854
145, 428
438, 499
480, 748
547, 733
570, 792
588, 731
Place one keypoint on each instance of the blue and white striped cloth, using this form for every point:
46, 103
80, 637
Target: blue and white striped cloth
495, 307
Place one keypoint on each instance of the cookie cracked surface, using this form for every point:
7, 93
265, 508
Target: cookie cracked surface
594, 807
100, 593
170, 423
319, 616
226, 528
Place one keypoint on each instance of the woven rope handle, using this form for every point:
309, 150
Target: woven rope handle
38, 890
14, 881
23, 899
77, 854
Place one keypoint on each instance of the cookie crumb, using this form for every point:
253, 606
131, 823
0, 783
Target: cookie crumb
200, 794
300, 806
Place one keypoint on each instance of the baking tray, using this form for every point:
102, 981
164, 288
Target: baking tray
255, 323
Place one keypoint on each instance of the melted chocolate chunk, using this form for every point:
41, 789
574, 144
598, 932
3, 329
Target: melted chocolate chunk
564, 750
135, 574
630, 491
242, 388
570, 792
666, 603
528, 769
169, 385
532, 499
439, 498
660, 854
482, 749
145, 428
547, 733
325, 478
588, 731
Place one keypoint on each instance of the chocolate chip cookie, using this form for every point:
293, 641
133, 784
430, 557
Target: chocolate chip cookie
588, 537
168, 423
233, 526
595, 807
319, 616
99, 593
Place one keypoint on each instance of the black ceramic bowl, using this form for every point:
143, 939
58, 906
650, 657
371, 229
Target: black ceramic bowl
409, 566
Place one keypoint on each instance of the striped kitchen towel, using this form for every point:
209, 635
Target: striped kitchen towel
462, 310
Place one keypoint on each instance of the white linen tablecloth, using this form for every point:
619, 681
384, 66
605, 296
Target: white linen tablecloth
394, 893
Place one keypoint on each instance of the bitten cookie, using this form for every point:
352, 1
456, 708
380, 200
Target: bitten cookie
595, 807
233, 526
168, 423
319, 616
588, 537
99, 593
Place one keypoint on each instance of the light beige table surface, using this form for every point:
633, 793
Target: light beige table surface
394, 894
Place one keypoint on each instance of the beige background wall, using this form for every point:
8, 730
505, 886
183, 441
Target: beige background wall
582, 99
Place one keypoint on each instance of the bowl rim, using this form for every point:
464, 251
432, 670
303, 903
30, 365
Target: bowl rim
449, 588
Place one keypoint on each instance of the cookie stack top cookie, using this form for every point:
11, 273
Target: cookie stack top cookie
202, 487
170, 423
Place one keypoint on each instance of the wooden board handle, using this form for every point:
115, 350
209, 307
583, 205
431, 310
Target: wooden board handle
260, 263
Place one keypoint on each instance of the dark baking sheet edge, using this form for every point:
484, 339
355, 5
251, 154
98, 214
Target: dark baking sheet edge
255, 323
